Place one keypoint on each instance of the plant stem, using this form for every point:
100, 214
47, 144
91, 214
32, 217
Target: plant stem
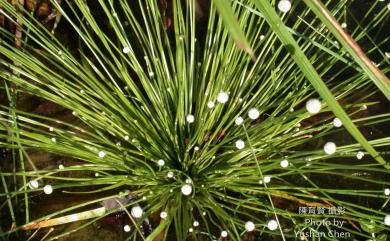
380, 80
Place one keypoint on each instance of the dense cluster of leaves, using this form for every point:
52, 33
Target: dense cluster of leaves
145, 92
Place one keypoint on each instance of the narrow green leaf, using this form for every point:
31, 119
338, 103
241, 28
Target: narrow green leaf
380, 80
226, 12
311, 74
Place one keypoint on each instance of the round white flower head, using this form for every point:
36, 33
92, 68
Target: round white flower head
386, 191
190, 118
313, 106
239, 120
195, 224
33, 184
284, 163
359, 155
387, 220
224, 234
126, 138
126, 228
102, 154
61, 166
161, 162
240, 144
253, 113
210, 104
222, 97
249, 226
267, 179
48, 189
170, 174
284, 6
190, 230
196, 148
261, 37
337, 122
330, 148
272, 225
186, 189
344, 25
53, 139
163, 215
126, 50
136, 211
51, 129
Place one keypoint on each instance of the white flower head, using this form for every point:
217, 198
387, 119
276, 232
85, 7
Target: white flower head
330, 148
249, 226
387, 191
337, 122
126, 50
126, 228
267, 179
163, 215
313, 106
284, 6
272, 225
48, 189
387, 220
186, 189
239, 120
190, 118
253, 113
359, 155
161, 162
240, 144
284, 163
222, 97
210, 104
170, 174
136, 211
102, 154
33, 184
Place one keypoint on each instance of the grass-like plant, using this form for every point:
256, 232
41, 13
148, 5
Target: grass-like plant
220, 143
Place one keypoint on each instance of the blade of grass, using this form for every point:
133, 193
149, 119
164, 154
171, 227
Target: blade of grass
226, 12
303, 62
380, 80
